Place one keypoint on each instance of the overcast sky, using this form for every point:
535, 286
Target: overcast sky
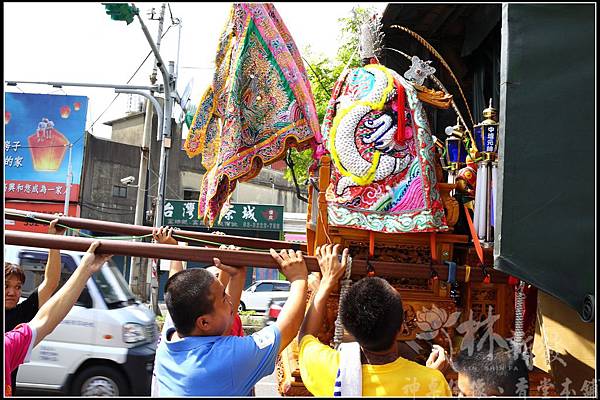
78, 42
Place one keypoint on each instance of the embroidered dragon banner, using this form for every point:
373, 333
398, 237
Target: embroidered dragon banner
383, 175
259, 104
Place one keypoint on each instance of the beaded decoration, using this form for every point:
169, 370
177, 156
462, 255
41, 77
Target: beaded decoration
383, 176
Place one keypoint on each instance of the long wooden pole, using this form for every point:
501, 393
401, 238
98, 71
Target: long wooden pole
127, 229
236, 258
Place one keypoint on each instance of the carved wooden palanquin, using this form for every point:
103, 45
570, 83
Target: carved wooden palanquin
416, 296
419, 295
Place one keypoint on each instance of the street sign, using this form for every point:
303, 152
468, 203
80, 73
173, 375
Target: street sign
184, 213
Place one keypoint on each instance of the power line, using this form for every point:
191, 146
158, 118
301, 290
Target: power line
104, 210
79, 138
42, 147
171, 14
60, 89
202, 68
132, 76
318, 76
108, 208
147, 190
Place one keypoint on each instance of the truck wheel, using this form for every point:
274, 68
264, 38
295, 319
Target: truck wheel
100, 380
241, 307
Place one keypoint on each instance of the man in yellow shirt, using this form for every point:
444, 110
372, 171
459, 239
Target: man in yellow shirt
372, 312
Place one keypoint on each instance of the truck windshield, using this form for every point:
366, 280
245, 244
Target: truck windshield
112, 286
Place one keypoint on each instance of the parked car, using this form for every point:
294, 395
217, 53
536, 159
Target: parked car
258, 295
106, 344
273, 311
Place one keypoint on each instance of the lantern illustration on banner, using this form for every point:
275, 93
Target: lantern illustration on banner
6, 117
47, 146
76, 106
65, 111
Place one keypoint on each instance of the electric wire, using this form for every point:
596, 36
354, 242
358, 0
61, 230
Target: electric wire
132, 76
317, 76
103, 207
104, 211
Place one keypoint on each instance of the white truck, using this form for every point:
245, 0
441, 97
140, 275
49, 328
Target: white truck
105, 346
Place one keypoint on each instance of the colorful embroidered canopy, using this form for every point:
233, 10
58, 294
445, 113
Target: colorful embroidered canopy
382, 177
259, 104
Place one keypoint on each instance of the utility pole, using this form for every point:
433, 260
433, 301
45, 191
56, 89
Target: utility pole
164, 151
169, 90
162, 180
137, 277
125, 12
69, 181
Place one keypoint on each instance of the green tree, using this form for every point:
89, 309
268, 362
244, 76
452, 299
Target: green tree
322, 74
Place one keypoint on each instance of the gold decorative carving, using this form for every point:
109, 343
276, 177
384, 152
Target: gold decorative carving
450, 203
436, 98
401, 284
404, 253
497, 296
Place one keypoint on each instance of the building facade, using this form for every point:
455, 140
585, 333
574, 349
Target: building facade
108, 161
105, 197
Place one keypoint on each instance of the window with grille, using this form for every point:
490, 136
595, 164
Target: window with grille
119, 191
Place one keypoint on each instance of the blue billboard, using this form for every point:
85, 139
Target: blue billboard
38, 131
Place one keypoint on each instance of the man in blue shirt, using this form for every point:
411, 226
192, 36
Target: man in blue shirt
196, 357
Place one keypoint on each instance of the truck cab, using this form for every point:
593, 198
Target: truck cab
105, 346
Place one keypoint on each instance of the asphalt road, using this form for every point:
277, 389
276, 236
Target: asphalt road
266, 387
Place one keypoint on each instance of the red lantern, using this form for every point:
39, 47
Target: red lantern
6, 117
65, 111
76, 106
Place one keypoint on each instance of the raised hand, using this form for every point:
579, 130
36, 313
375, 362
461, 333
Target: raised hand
92, 261
229, 247
56, 230
232, 271
331, 267
163, 235
292, 264
53, 265
438, 359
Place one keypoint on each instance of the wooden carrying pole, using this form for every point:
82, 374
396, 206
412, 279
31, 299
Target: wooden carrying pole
138, 230
235, 258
